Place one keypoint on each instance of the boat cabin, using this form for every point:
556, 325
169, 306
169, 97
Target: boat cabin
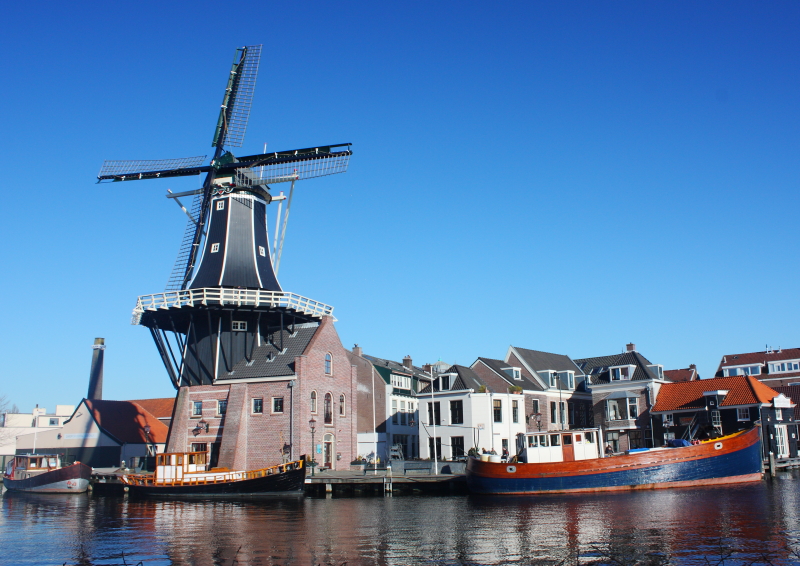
173, 466
29, 465
561, 446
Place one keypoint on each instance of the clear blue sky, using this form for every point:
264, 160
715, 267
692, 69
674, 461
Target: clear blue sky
566, 177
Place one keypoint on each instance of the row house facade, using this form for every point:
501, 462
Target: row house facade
775, 367
624, 388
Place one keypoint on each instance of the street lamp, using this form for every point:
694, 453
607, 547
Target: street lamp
312, 422
539, 421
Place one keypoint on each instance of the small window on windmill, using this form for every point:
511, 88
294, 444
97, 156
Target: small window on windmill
214, 248
261, 251
220, 205
239, 325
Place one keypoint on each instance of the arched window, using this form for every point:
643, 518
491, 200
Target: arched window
328, 364
341, 405
328, 408
313, 401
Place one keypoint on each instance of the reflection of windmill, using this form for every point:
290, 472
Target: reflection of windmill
224, 268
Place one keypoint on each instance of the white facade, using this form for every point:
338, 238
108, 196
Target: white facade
488, 420
39, 420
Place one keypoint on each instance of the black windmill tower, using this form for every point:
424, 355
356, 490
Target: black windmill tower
223, 301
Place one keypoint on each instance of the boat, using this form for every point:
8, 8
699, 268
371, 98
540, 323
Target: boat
44, 473
188, 474
573, 461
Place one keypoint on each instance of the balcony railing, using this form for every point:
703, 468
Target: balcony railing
620, 424
231, 297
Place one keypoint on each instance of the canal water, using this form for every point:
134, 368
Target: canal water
755, 523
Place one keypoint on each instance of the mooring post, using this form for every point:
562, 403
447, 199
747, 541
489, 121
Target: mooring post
772, 464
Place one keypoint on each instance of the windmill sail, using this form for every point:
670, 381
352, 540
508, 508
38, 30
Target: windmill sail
296, 165
235, 111
115, 170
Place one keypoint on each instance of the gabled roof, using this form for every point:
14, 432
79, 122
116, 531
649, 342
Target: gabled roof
597, 369
396, 367
268, 360
497, 366
465, 379
125, 421
541, 361
160, 408
687, 395
686, 374
793, 392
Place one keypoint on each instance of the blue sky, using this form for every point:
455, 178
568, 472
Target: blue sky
566, 177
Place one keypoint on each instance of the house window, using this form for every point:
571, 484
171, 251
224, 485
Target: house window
553, 376
220, 205
261, 251
457, 446
328, 364
785, 366
553, 416
514, 411
444, 383
199, 446
54, 422
341, 405
562, 409
314, 402
395, 416
197, 409
239, 325
616, 374
667, 419
535, 406
633, 407
222, 407
277, 404
497, 410
778, 414
258, 406
434, 416
456, 412
214, 248
716, 418
743, 414
328, 408
570, 380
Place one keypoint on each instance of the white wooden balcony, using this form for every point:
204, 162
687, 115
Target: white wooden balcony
217, 296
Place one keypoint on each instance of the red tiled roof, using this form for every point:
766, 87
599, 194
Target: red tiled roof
759, 357
680, 374
742, 390
125, 421
161, 408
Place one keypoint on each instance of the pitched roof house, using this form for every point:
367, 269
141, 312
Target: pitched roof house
773, 367
686, 374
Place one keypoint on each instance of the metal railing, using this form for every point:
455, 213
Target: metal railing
231, 297
206, 478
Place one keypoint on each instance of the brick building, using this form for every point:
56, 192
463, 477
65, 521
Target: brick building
258, 413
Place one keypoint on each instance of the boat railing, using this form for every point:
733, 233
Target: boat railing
211, 477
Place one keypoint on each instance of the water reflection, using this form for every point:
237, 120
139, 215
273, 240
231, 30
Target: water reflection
684, 525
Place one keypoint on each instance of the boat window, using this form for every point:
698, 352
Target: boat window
531, 441
567, 439
192, 459
555, 440
160, 460
33, 463
578, 438
180, 460
201, 458
589, 437
53, 463
543, 441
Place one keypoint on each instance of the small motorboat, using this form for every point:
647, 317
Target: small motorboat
44, 473
187, 474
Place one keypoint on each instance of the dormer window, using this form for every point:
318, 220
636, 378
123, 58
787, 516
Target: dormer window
444, 383
784, 366
622, 373
743, 370
658, 370
514, 373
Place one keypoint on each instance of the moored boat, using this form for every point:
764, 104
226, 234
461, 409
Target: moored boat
571, 461
43, 473
187, 474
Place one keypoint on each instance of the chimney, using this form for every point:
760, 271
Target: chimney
427, 368
96, 373
357, 350
631, 347
407, 362
693, 366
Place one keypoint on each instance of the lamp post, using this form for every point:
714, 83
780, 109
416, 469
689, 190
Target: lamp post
539, 421
433, 421
312, 423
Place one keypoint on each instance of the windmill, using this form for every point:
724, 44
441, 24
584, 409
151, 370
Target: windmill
223, 296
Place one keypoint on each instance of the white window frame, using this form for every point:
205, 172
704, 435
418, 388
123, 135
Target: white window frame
716, 418
314, 399
214, 248
778, 414
272, 405
742, 413
239, 325
221, 402
633, 401
328, 363
342, 405
668, 419
262, 251
197, 405
220, 205
253, 406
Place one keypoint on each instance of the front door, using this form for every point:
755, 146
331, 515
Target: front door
781, 442
568, 450
327, 459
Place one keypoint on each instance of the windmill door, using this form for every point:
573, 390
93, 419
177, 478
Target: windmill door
567, 449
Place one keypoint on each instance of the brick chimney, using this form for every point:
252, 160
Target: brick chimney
693, 366
427, 368
407, 362
357, 350
96, 371
631, 347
